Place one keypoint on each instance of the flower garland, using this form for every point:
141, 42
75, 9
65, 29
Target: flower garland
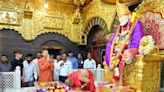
52, 87
146, 45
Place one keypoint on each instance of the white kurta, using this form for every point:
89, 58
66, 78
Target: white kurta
66, 68
35, 61
56, 70
30, 71
91, 64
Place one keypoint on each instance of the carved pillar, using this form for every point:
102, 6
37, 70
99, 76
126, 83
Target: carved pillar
144, 74
139, 66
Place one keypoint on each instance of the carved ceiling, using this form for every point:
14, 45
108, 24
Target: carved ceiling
72, 2
66, 4
122, 1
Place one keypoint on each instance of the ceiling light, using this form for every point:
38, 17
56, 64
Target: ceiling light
46, 5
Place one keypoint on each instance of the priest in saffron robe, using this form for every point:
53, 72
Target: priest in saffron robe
46, 67
124, 43
82, 79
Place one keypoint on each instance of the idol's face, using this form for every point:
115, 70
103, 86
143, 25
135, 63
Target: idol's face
123, 19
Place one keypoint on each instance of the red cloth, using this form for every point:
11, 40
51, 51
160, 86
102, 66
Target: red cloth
75, 78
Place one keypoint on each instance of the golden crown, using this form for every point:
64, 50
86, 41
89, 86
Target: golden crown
121, 9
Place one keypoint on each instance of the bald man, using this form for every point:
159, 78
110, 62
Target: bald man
82, 79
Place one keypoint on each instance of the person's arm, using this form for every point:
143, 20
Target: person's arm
70, 69
76, 63
85, 65
35, 73
44, 65
57, 66
52, 66
82, 64
136, 35
108, 48
94, 64
135, 40
12, 65
23, 74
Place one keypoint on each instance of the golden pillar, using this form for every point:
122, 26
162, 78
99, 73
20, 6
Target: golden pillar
143, 75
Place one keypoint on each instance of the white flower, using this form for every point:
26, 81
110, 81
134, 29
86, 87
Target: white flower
116, 71
146, 45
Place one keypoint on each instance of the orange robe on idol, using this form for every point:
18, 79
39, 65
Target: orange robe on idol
45, 70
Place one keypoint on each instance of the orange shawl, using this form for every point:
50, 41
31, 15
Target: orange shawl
45, 70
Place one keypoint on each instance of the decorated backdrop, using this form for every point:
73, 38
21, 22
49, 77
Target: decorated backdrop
153, 24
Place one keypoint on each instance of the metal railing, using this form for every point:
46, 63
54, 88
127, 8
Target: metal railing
10, 79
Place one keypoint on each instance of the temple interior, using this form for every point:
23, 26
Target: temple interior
83, 26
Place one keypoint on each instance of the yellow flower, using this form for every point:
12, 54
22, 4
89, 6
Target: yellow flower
59, 90
133, 17
120, 89
42, 84
51, 91
62, 90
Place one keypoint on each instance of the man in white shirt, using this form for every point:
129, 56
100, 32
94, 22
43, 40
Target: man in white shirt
65, 67
29, 72
35, 61
56, 69
89, 63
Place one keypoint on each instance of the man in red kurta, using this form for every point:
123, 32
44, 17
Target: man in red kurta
46, 67
82, 79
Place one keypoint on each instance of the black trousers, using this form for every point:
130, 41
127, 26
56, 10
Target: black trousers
62, 78
28, 84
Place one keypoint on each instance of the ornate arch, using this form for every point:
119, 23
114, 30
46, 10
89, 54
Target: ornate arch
96, 21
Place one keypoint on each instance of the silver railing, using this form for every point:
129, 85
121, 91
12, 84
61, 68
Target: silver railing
12, 80
9, 80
